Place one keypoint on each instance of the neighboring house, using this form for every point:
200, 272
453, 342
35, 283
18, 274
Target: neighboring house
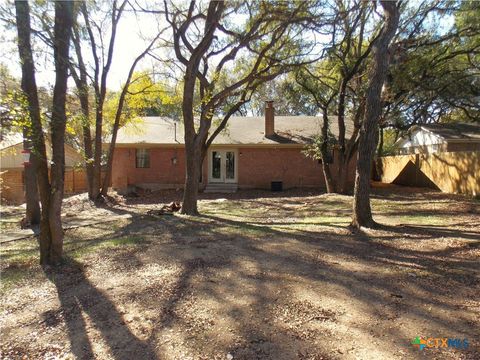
252, 152
12, 168
432, 138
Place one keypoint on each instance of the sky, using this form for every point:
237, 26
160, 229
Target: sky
129, 44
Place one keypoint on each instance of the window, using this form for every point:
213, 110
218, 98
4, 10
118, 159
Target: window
142, 158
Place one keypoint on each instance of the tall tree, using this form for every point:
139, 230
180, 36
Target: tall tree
102, 61
80, 76
102, 57
335, 84
206, 42
434, 69
118, 114
362, 212
51, 191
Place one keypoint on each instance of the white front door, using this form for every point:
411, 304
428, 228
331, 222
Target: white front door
222, 165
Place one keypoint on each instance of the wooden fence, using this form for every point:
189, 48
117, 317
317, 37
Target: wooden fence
13, 188
451, 172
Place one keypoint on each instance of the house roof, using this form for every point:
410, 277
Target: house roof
456, 131
240, 130
12, 140
9, 140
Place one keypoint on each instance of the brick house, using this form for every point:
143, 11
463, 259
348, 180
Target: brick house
252, 152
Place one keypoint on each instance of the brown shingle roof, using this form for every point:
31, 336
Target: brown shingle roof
455, 131
240, 130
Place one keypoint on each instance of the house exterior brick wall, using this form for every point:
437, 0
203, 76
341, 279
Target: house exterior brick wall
257, 168
163, 173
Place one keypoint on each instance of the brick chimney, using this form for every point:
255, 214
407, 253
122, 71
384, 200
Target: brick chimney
269, 119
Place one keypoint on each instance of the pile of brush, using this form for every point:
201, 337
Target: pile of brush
169, 209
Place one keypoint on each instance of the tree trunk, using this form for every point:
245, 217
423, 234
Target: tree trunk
62, 35
329, 182
82, 87
377, 161
32, 214
101, 89
97, 159
87, 140
193, 158
342, 174
39, 152
380, 144
51, 195
362, 212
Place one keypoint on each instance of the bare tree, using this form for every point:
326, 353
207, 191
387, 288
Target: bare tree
80, 76
118, 113
102, 61
51, 191
206, 43
102, 56
362, 212
335, 85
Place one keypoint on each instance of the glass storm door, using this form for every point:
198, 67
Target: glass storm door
216, 167
230, 173
223, 166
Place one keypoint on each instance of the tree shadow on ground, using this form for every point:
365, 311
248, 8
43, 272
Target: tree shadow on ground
381, 296
78, 295
274, 293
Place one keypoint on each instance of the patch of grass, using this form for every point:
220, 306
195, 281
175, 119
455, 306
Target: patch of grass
20, 252
231, 212
10, 279
16, 274
422, 219
245, 228
129, 240
96, 245
9, 225
22, 255
318, 221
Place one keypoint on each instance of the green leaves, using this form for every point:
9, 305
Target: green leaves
145, 97
314, 151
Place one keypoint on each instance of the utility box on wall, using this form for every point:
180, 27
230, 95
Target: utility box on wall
276, 186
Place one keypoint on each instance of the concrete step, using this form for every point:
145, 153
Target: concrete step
221, 188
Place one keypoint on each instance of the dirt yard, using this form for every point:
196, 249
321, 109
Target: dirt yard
257, 276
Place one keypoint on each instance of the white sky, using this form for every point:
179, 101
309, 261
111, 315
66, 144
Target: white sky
128, 45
